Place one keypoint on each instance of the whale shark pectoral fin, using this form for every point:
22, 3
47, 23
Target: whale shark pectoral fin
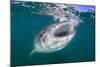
33, 51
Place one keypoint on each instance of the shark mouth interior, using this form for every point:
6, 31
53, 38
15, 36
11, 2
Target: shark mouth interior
62, 31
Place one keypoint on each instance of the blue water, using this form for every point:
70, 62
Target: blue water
24, 28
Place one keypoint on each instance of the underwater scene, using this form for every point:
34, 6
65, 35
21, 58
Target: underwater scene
51, 33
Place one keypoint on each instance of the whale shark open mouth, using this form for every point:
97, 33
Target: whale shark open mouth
63, 31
